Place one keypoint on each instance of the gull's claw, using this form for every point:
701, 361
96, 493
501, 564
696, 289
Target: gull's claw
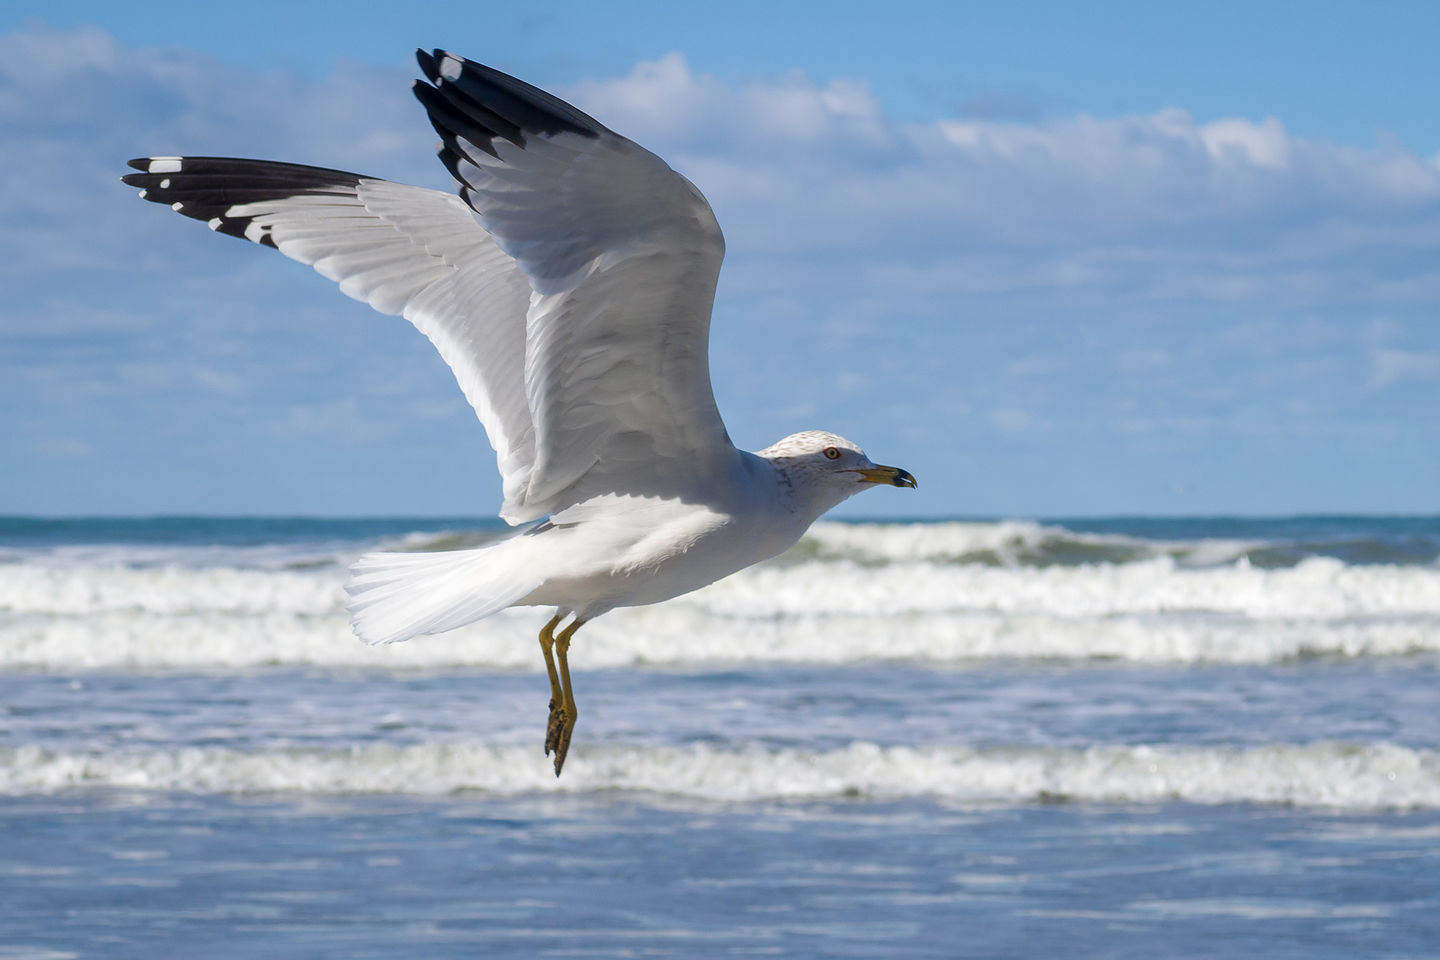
552, 727
561, 740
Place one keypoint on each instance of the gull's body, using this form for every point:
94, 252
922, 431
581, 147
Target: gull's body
568, 286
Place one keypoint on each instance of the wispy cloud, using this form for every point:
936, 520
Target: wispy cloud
1389, 367
1149, 206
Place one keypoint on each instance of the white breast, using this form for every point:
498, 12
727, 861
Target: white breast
616, 551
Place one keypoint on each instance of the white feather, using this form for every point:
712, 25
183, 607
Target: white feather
420, 254
623, 254
396, 596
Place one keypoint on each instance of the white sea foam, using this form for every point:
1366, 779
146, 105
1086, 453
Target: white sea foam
1326, 774
816, 611
270, 556
85, 590
1005, 543
294, 555
850, 593
1009, 542
680, 635
1318, 587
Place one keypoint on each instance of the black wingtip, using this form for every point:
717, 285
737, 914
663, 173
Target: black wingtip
429, 63
139, 163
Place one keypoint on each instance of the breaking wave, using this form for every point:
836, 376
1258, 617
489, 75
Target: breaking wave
297, 543
1327, 774
933, 592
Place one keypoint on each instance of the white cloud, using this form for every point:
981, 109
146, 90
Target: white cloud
1389, 367
813, 183
1262, 144
663, 100
1148, 206
1011, 420
62, 447
75, 105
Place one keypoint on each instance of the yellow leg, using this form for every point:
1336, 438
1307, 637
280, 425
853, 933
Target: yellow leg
568, 712
557, 695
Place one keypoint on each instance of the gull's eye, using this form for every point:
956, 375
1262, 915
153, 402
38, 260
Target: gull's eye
832, 454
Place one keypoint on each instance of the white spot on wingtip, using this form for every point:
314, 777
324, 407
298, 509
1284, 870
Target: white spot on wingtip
165, 184
254, 231
177, 206
215, 223
164, 165
450, 68
142, 194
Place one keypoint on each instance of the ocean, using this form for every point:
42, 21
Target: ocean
1081, 738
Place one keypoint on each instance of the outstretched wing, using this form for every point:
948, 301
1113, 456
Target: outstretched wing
577, 321
623, 254
403, 250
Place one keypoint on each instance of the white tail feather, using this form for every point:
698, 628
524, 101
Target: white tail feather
396, 596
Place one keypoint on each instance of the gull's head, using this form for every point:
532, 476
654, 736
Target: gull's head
822, 469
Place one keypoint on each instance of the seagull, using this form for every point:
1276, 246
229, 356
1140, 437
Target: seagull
568, 283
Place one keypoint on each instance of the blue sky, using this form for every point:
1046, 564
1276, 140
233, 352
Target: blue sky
1140, 259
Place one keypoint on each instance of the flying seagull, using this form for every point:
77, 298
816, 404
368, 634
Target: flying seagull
568, 284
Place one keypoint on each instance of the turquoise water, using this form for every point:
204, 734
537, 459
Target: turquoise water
1133, 737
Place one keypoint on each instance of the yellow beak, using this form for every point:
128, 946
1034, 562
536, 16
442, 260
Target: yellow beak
890, 476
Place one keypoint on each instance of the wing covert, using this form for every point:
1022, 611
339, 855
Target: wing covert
404, 250
623, 255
